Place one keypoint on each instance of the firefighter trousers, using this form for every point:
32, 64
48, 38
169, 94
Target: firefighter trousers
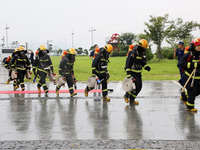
70, 82
138, 83
42, 81
20, 77
103, 79
192, 92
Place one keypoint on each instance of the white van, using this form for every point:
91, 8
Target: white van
5, 53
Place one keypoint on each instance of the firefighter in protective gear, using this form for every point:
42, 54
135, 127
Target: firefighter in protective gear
8, 64
66, 71
63, 55
189, 62
21, 64
99, 69
44, 65
130, 48
135, 61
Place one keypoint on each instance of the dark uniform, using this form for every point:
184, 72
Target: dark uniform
188, 63
99, 68
135, 61
21, 63
43, 64
67, 73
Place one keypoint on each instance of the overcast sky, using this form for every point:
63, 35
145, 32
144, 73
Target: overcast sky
36, 21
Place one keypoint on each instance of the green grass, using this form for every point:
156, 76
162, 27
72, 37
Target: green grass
165, 70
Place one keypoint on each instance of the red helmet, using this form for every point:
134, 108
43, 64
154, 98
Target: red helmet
195, 41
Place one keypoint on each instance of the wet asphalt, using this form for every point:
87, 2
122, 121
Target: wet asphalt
160, 114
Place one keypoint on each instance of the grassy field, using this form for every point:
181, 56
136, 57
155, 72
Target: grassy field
165, 70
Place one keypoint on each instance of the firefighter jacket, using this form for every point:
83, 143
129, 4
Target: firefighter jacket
136, 60
189, 62
43, 63
66, 66
20, 62
100, 62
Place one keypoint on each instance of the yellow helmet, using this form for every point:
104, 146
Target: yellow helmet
43, 47
143, 43
109, 48
15, 50
21, 48
72, 51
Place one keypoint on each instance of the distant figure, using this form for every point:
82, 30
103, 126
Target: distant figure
179, 52
92, 54
130, 48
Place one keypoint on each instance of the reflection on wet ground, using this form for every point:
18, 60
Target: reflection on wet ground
159, 116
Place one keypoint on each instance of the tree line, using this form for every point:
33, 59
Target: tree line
157, 30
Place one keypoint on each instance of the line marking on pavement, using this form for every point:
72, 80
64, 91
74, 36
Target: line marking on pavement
50, 91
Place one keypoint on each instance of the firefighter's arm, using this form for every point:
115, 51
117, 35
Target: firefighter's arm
129, 63
51, 65
28, 64
95, 64
35, 64
144, 63
13, 62
61, 66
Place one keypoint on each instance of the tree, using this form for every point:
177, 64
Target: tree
50, 48
79, 50
59, 51
14, 44
158, 29
181, 31
127, 38
86, 51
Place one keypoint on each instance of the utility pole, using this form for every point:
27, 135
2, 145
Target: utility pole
3, 39
72, 39
7, 35
92, 30
48, 41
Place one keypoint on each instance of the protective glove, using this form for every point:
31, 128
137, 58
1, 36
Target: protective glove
147, 68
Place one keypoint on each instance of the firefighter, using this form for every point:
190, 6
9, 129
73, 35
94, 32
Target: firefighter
8, 64
130, 48
44, 65
63, 55
188, 63
66, 71
99, 69
21, 64
135, 61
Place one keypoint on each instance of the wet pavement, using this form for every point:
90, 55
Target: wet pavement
159, 120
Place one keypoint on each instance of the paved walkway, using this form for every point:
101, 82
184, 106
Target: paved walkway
160, 121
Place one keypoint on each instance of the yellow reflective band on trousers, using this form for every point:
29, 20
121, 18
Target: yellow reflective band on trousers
188, 74
188, 65
189, 104
136, 71
131, 94
71, 88
104, 90
21, 68
21, 83
44, 85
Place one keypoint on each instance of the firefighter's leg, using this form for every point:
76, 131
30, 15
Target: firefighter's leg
138, 84
42, 81
104, 89
184, 96
20, 77
70, 84
192, 92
